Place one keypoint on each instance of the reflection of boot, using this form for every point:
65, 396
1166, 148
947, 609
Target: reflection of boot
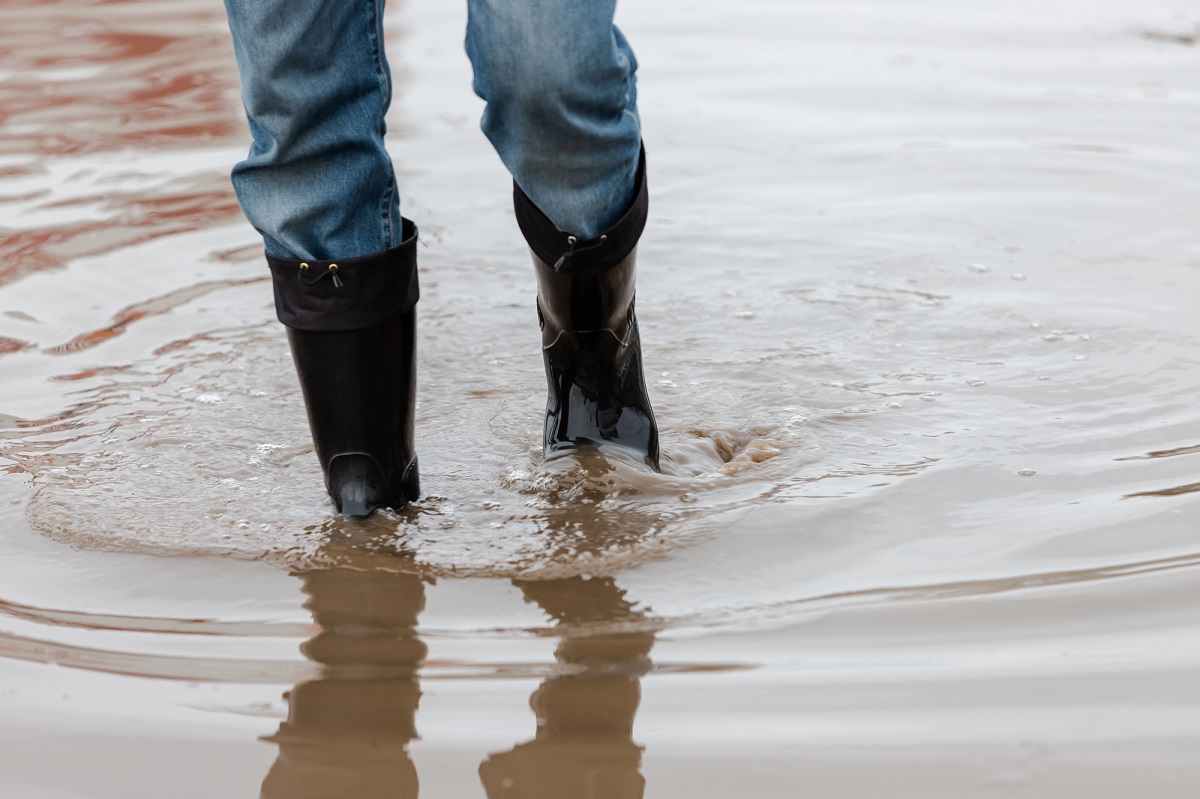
590, 342
346, 738
351, 325
584, 747
347, 732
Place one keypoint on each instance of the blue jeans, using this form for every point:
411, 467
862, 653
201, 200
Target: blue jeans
557, 76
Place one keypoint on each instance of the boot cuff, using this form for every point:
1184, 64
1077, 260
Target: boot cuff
573, 256
349, 293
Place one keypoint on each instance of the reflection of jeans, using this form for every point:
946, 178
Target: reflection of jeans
557, 75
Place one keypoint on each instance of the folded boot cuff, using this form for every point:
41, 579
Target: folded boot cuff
569, 255
347, 293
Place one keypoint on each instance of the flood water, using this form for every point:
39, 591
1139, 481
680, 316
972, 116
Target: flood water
918, 301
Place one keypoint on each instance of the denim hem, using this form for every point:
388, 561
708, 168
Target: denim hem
349, 294
571, 255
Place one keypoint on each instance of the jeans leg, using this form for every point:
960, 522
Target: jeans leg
318, 182
559, 81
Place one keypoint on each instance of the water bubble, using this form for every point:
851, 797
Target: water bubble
976, 381
1045, 377
931, 396
1035, 325
895, 405
1081, 357
209, 399
258, 393
745, 314
1018, 276
689, 497
1052, 337
1027, 472
1085, 337
980, 268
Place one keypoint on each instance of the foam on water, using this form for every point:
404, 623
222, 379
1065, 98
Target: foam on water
206, 451
202, 448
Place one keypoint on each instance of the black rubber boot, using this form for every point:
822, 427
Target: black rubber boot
351, 325
597, 395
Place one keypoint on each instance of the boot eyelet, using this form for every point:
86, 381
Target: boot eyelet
304, 267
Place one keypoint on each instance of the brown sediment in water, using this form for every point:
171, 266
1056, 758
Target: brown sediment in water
917, 301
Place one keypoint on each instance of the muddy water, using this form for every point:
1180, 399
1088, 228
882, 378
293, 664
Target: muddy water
918, 302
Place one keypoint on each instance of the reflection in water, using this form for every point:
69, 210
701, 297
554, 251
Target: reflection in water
348, 731
583, 748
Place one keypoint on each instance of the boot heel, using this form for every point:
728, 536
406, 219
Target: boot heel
356, 485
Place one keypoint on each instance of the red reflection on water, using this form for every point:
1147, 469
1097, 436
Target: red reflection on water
93, 76
8, 345
140, 218
82, 77
153, 307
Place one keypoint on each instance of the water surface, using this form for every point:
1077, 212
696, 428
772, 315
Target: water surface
918, 306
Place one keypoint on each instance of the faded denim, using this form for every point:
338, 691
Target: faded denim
557, 76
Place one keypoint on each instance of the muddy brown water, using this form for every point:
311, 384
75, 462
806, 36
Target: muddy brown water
918, 299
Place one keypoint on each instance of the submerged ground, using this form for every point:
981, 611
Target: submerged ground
918, 300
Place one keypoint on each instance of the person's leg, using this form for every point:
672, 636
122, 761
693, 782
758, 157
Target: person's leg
315, 83
560, 85
559, 82
319, 186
